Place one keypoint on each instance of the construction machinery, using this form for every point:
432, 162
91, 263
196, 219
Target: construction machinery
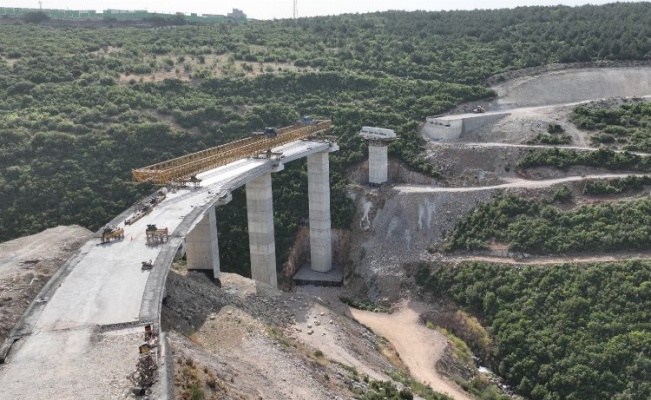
111, 232
479, 110
270, 155
145, 375
145, 207
306, 120
193, 180
181, 168
156, 236
269, 132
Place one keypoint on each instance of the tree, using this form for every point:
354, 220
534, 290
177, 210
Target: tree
35, 17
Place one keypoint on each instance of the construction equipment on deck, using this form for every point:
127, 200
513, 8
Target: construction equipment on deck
268, 132
270, 155
156, 236
193, 180
112, 232
145, 207
182, 168
306, 120
145, 375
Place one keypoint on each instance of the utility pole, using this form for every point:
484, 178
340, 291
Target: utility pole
295, 9
40, 5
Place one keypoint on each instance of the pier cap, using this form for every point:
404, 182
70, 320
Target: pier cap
374, 133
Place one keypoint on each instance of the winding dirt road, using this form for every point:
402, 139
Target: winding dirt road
420, 348
511, 183
537, 260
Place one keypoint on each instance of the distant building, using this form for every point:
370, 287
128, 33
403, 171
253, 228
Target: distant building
236, 14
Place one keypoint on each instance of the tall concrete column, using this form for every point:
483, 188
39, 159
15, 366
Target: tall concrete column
318, 187
262, 245
202, 248
377, 162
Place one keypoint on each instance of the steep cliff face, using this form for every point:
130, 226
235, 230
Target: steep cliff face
393, 227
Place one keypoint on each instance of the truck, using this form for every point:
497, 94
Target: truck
269, 132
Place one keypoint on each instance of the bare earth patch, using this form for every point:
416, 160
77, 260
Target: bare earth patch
420, 348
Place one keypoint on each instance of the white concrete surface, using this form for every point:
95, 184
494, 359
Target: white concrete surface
318, 184
452, 127
105, 285
573, 85
202, 246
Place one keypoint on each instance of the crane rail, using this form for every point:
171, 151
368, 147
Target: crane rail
183, 167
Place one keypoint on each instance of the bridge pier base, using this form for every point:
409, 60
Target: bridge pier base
262, 245
202, 247
318, 184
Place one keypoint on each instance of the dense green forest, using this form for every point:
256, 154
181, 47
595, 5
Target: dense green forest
81, 107
601, 158
627, 126
578, 332
539, 227
628, 185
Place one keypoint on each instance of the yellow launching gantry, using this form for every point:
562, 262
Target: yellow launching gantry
182, 168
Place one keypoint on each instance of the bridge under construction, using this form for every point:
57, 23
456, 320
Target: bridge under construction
123, 270
182, 168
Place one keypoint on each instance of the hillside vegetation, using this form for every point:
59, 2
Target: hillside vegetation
81, 107
540, 227
627, 126
562, 332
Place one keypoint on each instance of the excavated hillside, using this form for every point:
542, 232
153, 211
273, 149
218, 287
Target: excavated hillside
400, 222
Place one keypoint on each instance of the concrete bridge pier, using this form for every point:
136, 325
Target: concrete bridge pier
318, 183
202, 247
377, 162
262, 245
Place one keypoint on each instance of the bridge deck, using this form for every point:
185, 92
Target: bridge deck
61, 354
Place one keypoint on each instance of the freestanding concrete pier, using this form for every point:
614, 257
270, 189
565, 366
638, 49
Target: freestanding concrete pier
378, 140
318, 183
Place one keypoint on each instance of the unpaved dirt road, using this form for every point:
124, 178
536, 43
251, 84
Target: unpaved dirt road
512, 183
613, 257
533, 146
419, 348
